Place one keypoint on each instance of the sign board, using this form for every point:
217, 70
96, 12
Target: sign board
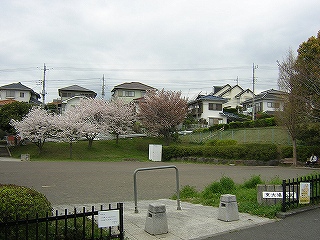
278, 195
304, 196
108, 218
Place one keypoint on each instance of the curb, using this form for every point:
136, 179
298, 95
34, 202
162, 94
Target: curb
283, 215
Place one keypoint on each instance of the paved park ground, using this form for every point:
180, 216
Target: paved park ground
75, 182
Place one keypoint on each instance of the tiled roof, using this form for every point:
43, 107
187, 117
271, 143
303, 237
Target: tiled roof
20, 87
132, 86
209, 98
6, 101
75, 88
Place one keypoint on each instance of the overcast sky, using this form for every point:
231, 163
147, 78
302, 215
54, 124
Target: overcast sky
188, 45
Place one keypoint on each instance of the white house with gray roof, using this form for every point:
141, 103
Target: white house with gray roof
208, 108
235, 95
130, 91
19, 92
267, 101
75, 90
70, 96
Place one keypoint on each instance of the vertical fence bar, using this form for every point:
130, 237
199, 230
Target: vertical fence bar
83, 222
284, 195
109, 236
47, 226
92, 223
121, 228
56, 224
37, 226
17, 227
27, 227
65, 222
75, 219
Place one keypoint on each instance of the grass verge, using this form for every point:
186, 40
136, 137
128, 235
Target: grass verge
246, 195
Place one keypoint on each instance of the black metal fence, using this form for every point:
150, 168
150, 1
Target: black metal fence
76, 225
291, 192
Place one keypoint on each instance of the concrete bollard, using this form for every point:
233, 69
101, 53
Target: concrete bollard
228, 209
156, 220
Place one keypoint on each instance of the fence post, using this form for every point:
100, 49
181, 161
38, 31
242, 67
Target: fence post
284, 195
121, 228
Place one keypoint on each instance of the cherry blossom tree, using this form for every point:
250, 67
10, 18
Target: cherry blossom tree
120, 117
162, 111
70, 127
93, 113
37, 126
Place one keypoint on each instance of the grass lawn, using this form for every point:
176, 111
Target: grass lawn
136, 149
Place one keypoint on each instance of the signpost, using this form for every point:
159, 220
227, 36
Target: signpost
304, 196
108, 218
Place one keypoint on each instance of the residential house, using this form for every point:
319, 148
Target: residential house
208, 108
20, 93
71, 102
235, 95
71, 95
130, 91
75, 90
267, 101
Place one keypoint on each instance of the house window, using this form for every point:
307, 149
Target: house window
22, 94
215, 106
213, 121
273, 105
129, 93
10, 93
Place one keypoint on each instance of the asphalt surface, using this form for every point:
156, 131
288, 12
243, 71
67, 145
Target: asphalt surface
304, 225
71, 184
95, 182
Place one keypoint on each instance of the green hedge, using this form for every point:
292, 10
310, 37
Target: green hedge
20, 201
231, 150
265, 122
303, 152
253, 151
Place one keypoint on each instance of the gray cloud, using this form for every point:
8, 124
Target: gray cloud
177, 44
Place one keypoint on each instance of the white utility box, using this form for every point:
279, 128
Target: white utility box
155, 152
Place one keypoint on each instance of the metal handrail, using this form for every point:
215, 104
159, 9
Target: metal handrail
154, 168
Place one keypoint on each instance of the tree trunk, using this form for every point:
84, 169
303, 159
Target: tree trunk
294, 152
117, 138
90, 142
70, 148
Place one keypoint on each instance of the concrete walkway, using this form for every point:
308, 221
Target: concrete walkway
193, 221
10, 159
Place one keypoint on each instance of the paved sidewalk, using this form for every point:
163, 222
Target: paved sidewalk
10, 159
194, 221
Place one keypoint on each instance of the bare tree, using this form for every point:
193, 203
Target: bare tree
162, 111
293, 113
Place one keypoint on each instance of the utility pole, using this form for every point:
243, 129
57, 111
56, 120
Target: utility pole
253, 82
103, 93
43, 93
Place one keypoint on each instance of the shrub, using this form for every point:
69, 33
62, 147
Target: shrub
227, 184
188, 192
252, 182
20, 201
226, 142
